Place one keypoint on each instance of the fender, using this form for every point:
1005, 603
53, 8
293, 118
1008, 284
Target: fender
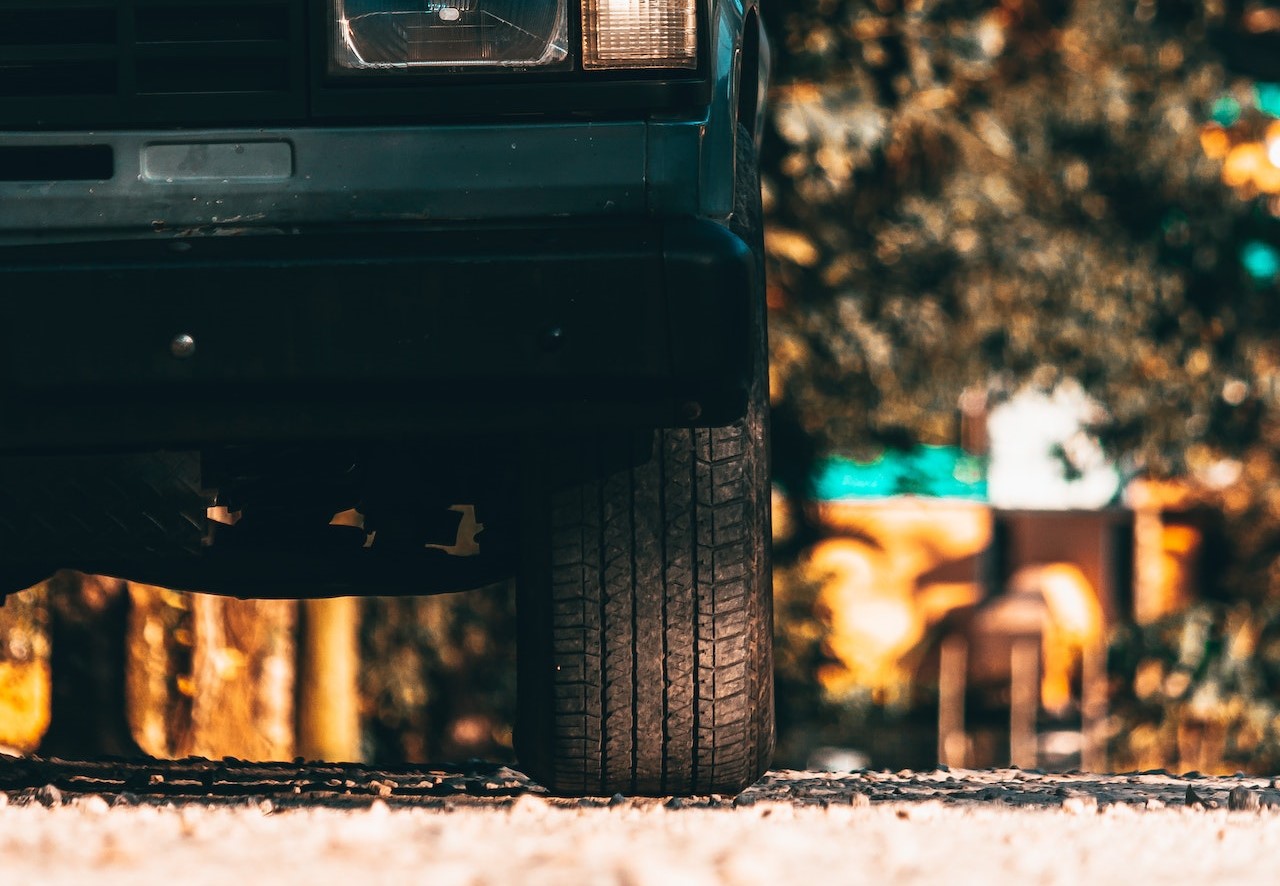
740, 64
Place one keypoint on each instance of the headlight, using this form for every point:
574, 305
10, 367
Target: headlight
450, 33
639, 34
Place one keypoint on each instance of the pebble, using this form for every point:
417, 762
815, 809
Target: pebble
1080, 804
94, 804
527, 804
1194, 799
617, 800
48, 796
1241, 799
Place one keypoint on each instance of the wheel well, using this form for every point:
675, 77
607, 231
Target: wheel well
749, 72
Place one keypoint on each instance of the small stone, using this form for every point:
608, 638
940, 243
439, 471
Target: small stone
124, 798
859, 800
617, 800
266, 807
743, 800
1194, 799
48, 796
1241, 799
675, 803
1080, 804
527, 803
93, 804
155, 778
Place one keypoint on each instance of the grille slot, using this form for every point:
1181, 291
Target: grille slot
46, 26
57, 163
206, 22
40, 79
82, 63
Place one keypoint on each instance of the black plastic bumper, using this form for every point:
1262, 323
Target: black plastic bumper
371, 332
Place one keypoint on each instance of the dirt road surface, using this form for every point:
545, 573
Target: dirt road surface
198, 822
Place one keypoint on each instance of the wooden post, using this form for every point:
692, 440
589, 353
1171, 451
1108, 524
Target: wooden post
1093, 706
328, 680
1024, 701
25, 678
158, 684
953, 663
243, 678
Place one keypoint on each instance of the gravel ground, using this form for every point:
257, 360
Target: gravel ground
205, 822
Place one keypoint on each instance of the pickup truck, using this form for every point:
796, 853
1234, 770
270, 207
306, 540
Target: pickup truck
337, 297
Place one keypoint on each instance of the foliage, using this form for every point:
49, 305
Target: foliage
995, 193
1199, 691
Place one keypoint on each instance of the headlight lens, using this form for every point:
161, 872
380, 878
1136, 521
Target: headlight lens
640, 34
450, 33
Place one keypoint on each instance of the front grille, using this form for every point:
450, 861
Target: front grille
120, 64
87, 63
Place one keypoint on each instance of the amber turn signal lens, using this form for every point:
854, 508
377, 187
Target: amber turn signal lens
639, 34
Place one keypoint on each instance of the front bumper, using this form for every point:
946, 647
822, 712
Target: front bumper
371, 332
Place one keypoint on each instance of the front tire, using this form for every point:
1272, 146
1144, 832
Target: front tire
646, 653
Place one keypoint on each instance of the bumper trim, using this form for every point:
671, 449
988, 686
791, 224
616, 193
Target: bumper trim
371, 332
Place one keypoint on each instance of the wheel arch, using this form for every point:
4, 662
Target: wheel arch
753, 72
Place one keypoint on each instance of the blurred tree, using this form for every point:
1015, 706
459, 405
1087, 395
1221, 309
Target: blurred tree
438, 676
87, 616
997, 193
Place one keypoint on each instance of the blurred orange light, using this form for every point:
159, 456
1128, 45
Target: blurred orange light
1267, 179
1242, 163
1215, 142
1260, 21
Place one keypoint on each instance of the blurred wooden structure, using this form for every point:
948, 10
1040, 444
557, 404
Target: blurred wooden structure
328, 680
998, 609
1168, 540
